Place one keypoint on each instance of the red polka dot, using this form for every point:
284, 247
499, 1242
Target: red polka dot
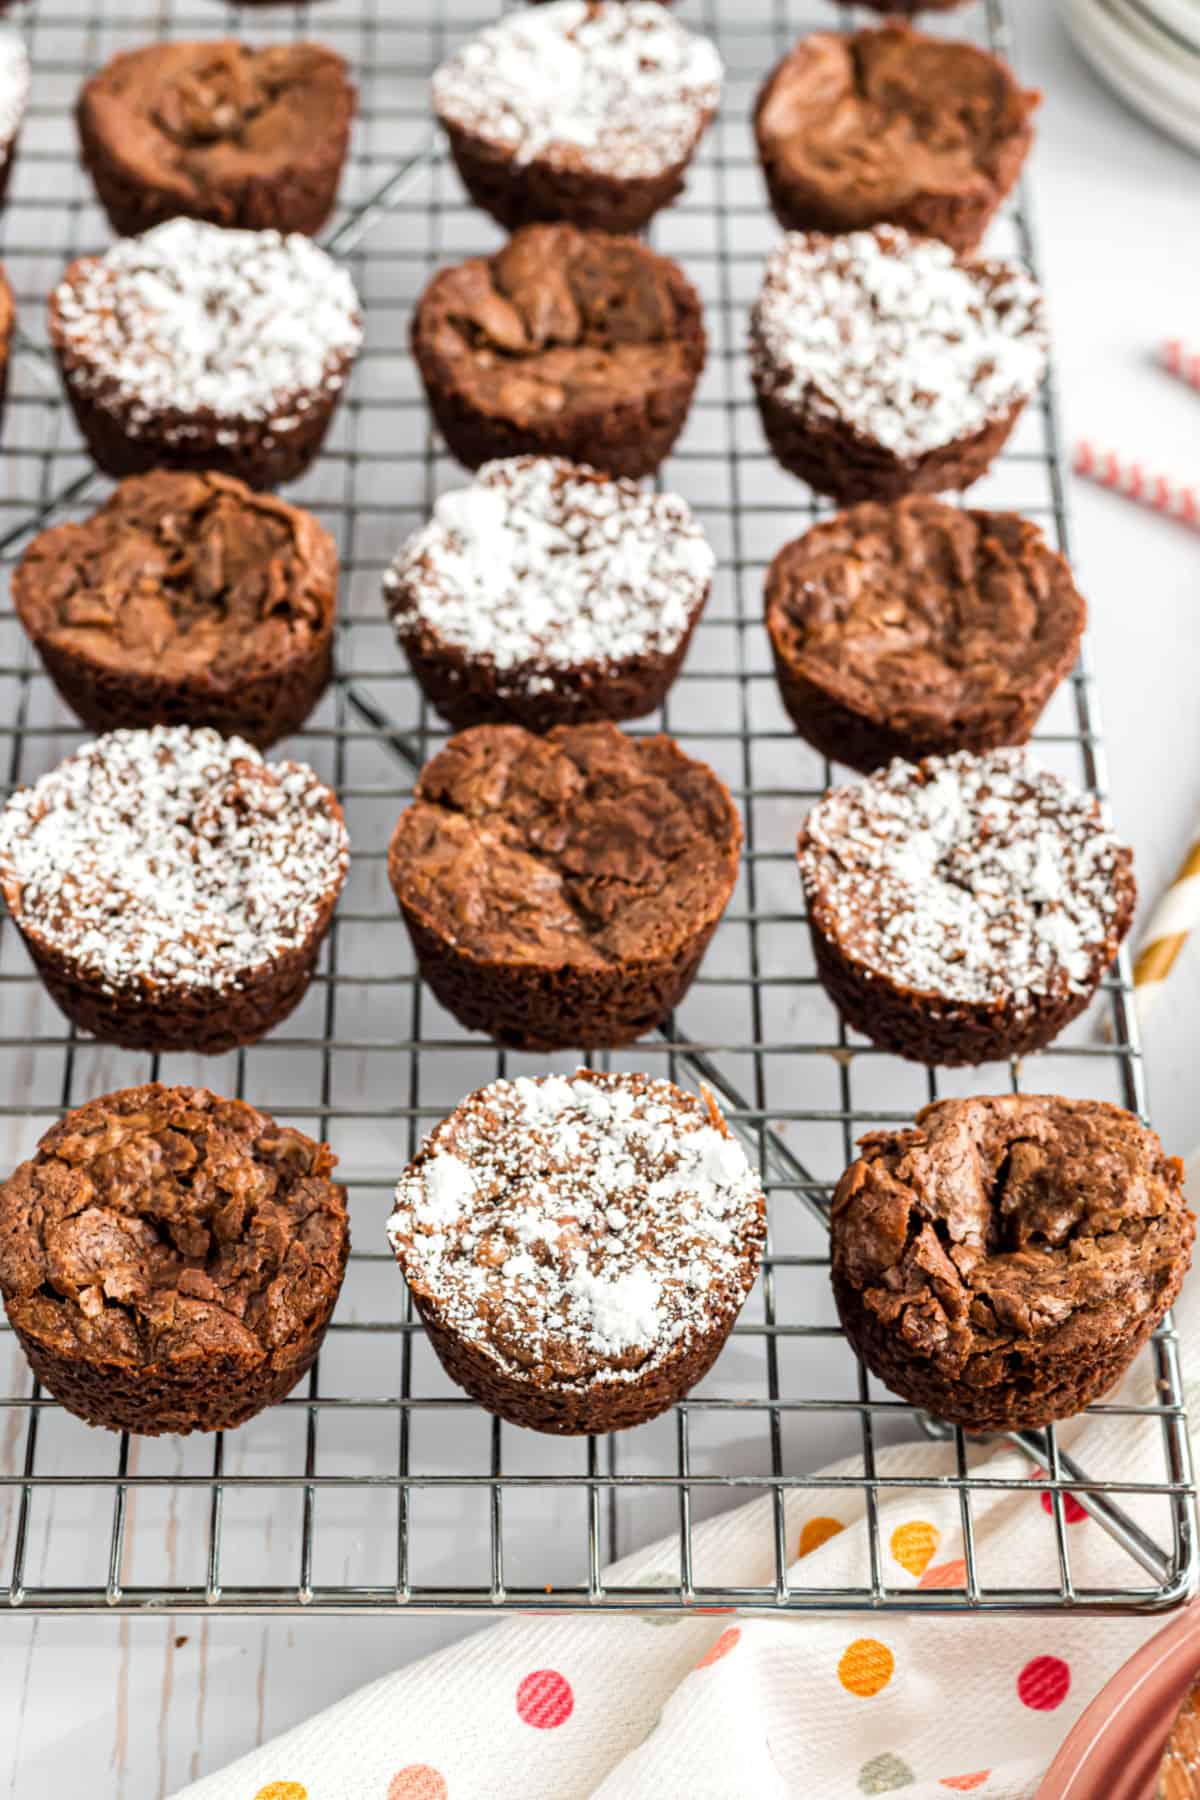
1073, 1513
417, 1782
1044, 1683
727, 1641
544, 1699
964, 1783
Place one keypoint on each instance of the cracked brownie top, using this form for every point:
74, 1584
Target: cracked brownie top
1009, 1220
584, 847
182, 577
209, 121
165, 1225
560, 321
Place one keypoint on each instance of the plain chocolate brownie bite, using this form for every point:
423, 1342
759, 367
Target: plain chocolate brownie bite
586, 110
560, 891
565, 343
1001, 1263
14, 99
186, 599
172, 888
891, 127
193, 347
918, 628
170, 1260
963, 909
548, 594
885, 365
578, 1249
216, 130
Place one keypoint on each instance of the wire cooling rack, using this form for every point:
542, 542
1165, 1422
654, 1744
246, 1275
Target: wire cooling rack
377, 1485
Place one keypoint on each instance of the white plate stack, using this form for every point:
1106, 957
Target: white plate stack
1149, 51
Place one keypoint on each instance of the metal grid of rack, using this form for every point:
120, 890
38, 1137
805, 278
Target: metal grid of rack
377, 1485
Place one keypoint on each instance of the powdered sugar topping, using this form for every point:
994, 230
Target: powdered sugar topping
172, 855
14, 85
542, 564
896, 337
619, 84
586, 1226
196, 319
973, 878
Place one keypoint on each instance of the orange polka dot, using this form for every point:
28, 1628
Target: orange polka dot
964, 1783
913, 1545
866, 1667
417, 1782
945, 1575
282, 1790
727, 1641
817, 1532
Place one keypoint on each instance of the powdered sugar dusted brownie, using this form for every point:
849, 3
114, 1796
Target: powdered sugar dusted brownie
14, 98
964, 908
548, 594
172, 887
579, 1249
588, 110
885, 365
199, 348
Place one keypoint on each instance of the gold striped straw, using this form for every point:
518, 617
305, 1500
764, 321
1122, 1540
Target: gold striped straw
1170, 926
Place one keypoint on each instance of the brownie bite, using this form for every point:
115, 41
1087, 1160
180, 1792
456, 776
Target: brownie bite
917, 628
909, 7
885, 365
963, 909
565, 343
169, 1260
172, 888
192, 347
891, 126
1002, 1263
186, 599
579, 1248
1179, 1771
14, 98
587, 110
560, 891
218, 131
547, 594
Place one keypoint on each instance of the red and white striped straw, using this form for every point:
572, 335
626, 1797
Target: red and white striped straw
1183, 360
1158, 492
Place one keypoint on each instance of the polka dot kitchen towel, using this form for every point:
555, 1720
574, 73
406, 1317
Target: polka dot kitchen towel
653, 1707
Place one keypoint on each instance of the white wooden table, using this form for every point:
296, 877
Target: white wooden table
130, 1709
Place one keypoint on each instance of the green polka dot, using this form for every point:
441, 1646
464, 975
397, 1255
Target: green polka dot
884, 1774
660, 1578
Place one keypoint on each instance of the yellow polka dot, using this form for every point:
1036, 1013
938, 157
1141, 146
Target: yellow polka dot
282, 1790
866, 1667
913, 1545
817, 1532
